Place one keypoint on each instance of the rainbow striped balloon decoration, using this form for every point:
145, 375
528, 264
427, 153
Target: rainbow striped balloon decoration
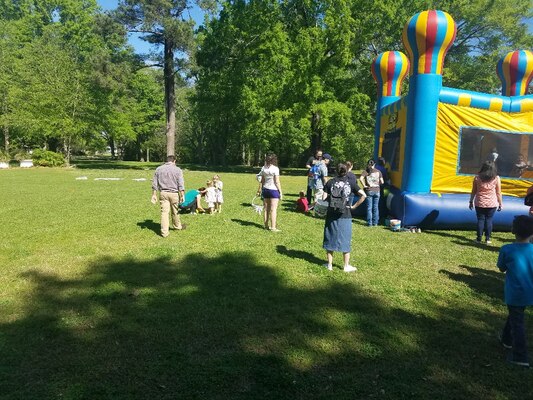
427, 37
515, 71
389, 69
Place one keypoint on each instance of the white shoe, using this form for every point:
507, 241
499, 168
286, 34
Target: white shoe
328, 266
349, 268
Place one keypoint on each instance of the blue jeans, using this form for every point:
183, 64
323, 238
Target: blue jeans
484, 222
372, 208
514, 333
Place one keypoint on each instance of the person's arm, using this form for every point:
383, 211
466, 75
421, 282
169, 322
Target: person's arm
362, 197
472, 194
261, 183
499, 193
155, 189
501, 261
362, 180
278, 185
381, 181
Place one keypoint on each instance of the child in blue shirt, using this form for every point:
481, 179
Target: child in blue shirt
516, 260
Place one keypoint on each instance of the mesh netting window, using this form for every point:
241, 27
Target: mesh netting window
511, 151
390, 149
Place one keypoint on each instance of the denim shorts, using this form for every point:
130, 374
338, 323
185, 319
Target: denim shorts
270, 194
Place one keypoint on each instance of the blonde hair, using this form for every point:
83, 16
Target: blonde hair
216, 177
209, 183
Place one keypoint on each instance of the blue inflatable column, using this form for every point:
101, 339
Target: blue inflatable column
389, 70
427, 37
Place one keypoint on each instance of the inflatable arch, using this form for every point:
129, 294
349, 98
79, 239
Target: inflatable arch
435, 138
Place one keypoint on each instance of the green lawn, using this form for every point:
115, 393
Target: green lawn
95, 305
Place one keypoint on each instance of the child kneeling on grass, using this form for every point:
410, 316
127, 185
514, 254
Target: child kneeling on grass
516, 260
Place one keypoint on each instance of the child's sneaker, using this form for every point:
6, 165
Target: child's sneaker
505, 345
349, 268
328, 266
510, 360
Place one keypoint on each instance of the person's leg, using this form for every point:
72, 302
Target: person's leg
309, 194
375, 210
273, 213
506, 337
266, 212
369, 209
518, 332
329, 257
489, 214
164, 202
346, 257
480, 223
174, 200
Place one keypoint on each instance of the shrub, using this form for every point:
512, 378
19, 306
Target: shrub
4, 156
45, 158
22, 155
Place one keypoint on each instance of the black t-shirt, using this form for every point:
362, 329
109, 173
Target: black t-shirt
312, 159
354, 189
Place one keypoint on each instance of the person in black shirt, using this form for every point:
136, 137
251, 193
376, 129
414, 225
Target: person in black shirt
338, 227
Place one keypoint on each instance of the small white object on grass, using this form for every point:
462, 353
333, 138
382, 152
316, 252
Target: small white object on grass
108, 179
81, 178
139, 179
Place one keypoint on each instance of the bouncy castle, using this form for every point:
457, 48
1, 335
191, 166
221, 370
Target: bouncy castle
436, 138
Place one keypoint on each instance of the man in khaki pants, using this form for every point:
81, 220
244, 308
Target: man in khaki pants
168, 181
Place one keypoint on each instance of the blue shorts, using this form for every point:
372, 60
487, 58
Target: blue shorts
270, 194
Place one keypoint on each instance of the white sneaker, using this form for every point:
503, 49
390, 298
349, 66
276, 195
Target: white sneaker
349, 268
328, 266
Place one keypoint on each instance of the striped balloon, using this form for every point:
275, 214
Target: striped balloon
427, 37
516, 71
389, 70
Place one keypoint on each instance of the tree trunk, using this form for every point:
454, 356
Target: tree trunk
316, 132
170, 98
112, 147
5, 128
67, 146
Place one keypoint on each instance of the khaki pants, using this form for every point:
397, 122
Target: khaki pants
169, 203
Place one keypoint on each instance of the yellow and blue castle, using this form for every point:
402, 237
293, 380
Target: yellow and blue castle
436, 138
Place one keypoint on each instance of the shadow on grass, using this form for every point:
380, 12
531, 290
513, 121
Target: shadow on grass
300, 255
230, 327
463, 240
489, 283
248, 223
151, 225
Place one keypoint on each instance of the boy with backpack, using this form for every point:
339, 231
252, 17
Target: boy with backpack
516, 260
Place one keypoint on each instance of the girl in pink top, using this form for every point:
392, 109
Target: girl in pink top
486, 189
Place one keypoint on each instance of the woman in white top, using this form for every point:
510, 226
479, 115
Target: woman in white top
270, 190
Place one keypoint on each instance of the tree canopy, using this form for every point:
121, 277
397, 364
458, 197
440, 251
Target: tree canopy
257, 75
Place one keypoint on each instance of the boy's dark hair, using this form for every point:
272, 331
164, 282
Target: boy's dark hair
171, 158
523, 226
341, 170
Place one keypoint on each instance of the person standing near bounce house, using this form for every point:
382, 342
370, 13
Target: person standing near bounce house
487, 192
371, 179
338, 227
271, 191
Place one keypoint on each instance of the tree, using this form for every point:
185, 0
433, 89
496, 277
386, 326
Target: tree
164, 23
51, 94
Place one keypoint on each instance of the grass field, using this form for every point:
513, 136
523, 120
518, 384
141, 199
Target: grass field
94, 304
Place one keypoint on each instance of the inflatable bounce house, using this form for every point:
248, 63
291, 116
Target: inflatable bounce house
436, 138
